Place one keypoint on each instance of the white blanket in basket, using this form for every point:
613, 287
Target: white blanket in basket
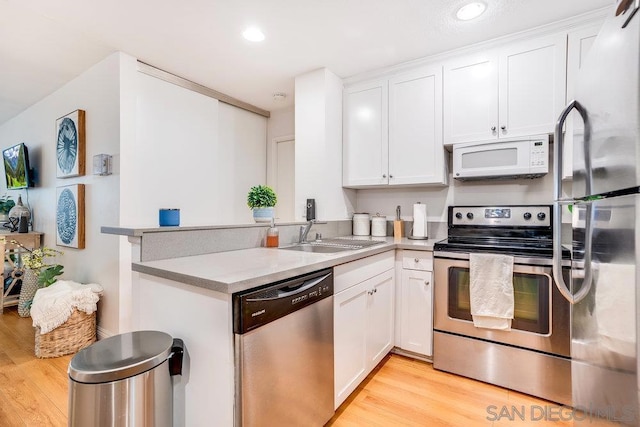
53, 305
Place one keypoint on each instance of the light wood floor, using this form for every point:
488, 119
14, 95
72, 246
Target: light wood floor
399, 392
33, 392
407, 392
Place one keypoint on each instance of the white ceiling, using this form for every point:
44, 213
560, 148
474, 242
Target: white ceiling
44, 43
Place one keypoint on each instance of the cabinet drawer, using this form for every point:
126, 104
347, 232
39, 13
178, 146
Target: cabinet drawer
417, 260
352, 273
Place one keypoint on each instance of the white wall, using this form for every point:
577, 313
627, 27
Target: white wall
318, 132
281, 124
241, 163
97, 92
513, 191
193, 153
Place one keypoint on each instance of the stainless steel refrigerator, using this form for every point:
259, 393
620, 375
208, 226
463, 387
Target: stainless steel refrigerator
604, 208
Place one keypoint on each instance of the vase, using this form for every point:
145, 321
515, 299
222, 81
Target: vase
27, 292
262, 214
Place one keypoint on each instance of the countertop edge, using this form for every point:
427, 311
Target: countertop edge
230, 287
139, 231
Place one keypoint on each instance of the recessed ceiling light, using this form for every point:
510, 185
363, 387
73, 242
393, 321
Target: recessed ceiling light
471, 11
253, 34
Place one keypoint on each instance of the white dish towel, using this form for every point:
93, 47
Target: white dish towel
491, 290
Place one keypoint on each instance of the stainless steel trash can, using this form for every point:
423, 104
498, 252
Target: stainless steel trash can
125, 380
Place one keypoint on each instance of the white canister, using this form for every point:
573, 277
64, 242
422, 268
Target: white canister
379, 226
361, 224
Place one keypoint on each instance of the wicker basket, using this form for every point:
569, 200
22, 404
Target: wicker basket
78, 332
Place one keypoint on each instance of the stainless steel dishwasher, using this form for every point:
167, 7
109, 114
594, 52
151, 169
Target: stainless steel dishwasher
284, 352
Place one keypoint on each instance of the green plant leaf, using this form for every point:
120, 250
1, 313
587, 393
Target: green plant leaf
47, 276
261, 196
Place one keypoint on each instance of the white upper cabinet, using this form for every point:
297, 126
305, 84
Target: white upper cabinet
578, 46
415, 128
532, 85
393, 131
365, 144
471, 98
512, 91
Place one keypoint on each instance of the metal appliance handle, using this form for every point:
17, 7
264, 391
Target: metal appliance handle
558, 141
296, 289
558, 203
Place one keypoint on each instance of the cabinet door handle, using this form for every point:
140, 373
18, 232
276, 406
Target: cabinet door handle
416, 260
390, 176
426, 282
384, 175
503, 127
493, 128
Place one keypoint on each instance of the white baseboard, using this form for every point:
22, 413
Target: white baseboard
103, 333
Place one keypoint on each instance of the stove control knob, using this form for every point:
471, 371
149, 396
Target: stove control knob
459, 215
541, 216
527, 216
469, 215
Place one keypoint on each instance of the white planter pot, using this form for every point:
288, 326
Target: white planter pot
262, 214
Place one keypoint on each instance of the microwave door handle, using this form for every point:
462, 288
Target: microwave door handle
557, 254
558, 140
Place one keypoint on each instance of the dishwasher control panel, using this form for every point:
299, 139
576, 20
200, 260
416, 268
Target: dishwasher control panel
255, 308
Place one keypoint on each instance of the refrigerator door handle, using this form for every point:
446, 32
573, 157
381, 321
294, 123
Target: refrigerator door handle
557, 254
558, 140
557, 206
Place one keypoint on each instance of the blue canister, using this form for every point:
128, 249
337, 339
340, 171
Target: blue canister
169, 217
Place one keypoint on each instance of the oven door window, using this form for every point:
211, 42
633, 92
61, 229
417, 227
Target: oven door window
531, 300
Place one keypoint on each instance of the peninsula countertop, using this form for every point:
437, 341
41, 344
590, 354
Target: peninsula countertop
236, 271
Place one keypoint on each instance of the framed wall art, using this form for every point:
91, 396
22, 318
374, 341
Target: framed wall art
70, 145
70, 216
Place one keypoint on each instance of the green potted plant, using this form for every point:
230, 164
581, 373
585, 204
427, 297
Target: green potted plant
5, 206
37, 273
261, 199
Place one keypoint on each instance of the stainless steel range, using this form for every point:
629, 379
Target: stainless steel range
534, 355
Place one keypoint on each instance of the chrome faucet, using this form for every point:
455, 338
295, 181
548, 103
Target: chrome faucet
304, 231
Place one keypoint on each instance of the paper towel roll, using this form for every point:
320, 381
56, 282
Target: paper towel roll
419, 220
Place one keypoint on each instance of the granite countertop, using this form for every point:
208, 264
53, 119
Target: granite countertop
236, 271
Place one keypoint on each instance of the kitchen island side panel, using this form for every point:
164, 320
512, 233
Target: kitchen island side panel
204, 394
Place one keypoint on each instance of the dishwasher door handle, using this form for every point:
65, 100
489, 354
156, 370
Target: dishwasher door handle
301, 288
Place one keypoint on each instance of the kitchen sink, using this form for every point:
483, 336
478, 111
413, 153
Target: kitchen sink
332, 245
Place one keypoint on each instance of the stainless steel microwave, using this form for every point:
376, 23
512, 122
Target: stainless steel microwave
524, 157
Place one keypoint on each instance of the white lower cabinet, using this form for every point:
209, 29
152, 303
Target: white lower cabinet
363, 322
417, 312
416, 303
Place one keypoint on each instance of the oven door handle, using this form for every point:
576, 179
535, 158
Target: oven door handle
557, 254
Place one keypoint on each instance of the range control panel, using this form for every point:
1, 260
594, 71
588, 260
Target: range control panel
501, 216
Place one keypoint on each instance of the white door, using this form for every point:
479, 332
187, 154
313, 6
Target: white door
578, 45
381, 325
350, 340
471, 98
416, 153
365, 134
417, 311
532, 85
285, 180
